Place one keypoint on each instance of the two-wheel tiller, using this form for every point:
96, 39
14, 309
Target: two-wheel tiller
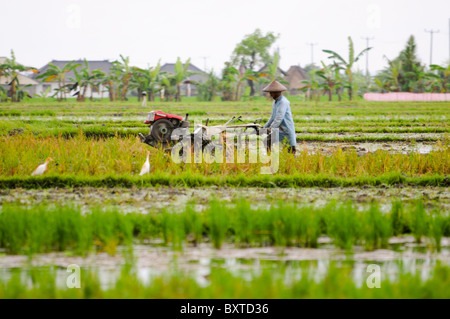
162, 126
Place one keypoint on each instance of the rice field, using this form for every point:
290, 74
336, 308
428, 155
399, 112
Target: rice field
368, 186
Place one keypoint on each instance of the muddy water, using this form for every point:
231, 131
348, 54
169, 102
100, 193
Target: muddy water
146, 200
364, 148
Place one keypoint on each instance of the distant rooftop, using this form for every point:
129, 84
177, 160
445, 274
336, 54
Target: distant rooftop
104, 65
170, 68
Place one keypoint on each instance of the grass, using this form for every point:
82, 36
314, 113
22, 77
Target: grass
283, 282
46, 228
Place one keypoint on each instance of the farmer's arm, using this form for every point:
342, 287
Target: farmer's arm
279, 116
270, 119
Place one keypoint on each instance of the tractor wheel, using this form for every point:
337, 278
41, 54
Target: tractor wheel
162, 130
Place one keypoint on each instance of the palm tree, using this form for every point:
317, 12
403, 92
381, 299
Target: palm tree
11, 69
59, 74
347, 65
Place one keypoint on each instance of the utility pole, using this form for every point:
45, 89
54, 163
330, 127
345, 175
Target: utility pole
312, 51
431, 43
204, 62
367, 54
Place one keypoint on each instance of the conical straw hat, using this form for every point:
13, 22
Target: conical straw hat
275, 86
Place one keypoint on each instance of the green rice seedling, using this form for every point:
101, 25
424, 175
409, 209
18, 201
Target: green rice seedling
309, 226
376, 229
419, 221
193, 224
173, 229
437, 224
109, 229
217, 223
398, 222
343, 224
13, 230
242, 222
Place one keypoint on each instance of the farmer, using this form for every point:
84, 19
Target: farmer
281, 116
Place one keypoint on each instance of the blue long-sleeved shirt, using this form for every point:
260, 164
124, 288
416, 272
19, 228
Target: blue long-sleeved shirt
282, 118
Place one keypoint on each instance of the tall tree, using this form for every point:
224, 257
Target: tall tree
347, 65
405, 72
253, 51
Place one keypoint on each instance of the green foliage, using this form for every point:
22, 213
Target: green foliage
253, 51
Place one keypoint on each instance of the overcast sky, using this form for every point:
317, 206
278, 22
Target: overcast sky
207, 31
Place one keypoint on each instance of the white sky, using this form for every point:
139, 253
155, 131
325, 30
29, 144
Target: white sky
207, 31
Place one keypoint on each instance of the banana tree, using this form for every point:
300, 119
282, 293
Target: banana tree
389, 80
55, 73
347, 65
327, 75
181, 73
11, 70
96, 81
168, 84
122, 73
443, 75
313, 85
147, 80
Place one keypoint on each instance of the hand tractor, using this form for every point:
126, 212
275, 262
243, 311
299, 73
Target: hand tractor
163, 124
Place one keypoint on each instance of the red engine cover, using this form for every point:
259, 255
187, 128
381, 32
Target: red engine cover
163, 115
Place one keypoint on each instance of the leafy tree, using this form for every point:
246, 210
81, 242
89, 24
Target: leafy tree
347, 65
253, 51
